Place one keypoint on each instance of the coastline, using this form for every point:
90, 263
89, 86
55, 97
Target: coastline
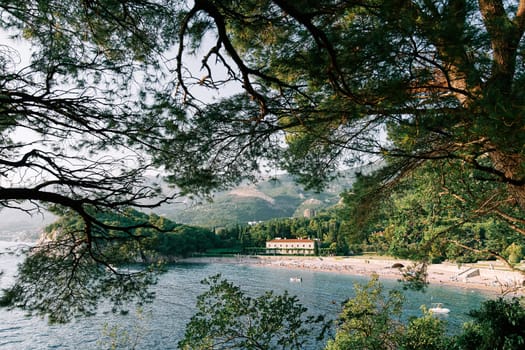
488, 276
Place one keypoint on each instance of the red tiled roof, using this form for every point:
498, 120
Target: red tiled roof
292, 240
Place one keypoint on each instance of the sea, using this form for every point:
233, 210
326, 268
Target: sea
161, 325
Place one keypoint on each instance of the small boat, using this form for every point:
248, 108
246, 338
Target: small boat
296, 279
437, 308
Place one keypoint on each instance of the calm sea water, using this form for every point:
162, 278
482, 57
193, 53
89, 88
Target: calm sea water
161, 325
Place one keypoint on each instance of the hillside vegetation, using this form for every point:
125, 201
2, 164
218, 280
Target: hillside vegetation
278, 197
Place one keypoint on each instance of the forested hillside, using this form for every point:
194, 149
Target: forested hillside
278, 197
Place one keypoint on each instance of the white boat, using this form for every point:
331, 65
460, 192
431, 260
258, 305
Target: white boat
437, 308
296, 279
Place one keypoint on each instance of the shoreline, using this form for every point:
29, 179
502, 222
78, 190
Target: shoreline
491, 277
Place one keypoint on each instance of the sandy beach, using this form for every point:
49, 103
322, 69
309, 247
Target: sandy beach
489, 276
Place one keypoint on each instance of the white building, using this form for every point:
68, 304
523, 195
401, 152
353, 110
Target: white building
294, 246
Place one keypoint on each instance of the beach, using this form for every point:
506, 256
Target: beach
489, 276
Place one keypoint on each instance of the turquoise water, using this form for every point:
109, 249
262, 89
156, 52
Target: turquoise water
162, 323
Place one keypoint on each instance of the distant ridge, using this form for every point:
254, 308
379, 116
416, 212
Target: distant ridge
276, 197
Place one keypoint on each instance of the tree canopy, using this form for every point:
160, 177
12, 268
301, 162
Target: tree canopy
227, 317
73, 126
371, 319
433, 85
63, 279
214, 91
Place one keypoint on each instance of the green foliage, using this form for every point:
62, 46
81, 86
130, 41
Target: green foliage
515, 253
325, 226
421, 219
431, 89
415, 276
62, 278
416, 85
370, 320
426, 333
498, 325
227, 318
73, 125
116, 337
153, 237
47, 284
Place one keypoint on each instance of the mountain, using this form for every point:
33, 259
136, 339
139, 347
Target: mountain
272, 198
275, 197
